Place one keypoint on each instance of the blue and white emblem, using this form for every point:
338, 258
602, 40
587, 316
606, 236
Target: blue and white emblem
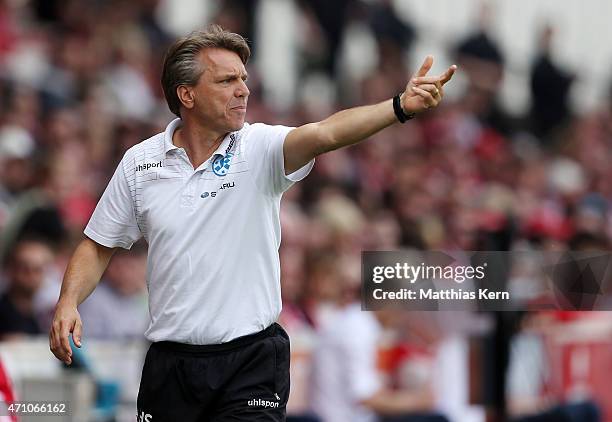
221, 164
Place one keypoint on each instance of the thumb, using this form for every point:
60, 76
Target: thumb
425, 67
77, 332
448, 74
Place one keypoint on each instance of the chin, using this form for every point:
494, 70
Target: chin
234, 126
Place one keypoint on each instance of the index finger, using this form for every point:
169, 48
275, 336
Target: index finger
425, 67
65, 342
56, 344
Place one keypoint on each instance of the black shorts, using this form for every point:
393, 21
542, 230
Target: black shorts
246, 379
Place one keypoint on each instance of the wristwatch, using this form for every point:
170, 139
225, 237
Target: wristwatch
399, 110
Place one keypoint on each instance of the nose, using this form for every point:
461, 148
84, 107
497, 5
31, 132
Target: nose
243, 89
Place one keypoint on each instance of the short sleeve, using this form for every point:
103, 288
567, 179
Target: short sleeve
264, 152
113, 223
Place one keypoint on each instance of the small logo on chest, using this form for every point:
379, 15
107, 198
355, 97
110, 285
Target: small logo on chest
221, 165
213, 194
227, 185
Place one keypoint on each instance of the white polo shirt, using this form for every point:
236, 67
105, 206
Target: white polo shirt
213, 270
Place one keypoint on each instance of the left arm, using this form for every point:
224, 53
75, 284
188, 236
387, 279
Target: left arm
350, 126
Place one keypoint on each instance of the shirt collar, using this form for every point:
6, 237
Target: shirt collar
172, 126
226, 145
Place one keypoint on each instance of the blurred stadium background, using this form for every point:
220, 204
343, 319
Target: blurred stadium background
517, 156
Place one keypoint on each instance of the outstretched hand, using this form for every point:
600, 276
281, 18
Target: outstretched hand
424, 92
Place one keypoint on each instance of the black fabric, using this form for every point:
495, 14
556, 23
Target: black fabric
246, 379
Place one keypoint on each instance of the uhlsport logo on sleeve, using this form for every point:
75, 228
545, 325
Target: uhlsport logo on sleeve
147, 166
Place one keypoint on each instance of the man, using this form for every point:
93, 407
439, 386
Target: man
205, 194
28, 265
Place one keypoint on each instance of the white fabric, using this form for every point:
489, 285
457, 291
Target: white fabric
345, 366
213, 270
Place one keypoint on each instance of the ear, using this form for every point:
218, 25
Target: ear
185, 96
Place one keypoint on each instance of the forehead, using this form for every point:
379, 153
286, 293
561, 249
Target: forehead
219, 60
30, 251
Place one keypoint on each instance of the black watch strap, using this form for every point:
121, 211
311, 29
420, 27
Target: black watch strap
399, 111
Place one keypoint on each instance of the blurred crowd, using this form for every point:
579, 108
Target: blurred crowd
79, 84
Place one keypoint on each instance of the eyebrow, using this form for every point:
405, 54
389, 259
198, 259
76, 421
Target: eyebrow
233, 75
